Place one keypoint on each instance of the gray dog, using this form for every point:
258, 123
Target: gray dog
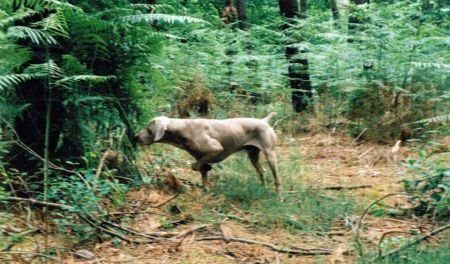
211, 141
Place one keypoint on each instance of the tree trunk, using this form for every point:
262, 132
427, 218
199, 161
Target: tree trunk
298, 74
303, 8
334, 11
242, 14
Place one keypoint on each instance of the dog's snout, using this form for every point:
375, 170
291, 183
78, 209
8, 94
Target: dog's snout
136, 138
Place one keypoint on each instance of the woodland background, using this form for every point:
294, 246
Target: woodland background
349, 80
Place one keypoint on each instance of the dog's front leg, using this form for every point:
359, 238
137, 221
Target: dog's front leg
213, 150
204, 178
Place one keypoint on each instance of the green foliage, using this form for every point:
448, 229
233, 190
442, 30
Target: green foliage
106, 67
429, 182
391, 74
421, 255
298, 209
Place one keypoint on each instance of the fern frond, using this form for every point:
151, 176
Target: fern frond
12, 56
10, 80
37, 36
87, 99
84, 78
55, 24
49, 68
60, 4
16, 17
430, 65
165, 35
147, 18
436, 119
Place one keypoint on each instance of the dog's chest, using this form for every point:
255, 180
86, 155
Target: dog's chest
182, 142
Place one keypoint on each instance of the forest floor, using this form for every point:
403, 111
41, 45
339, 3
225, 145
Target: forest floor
314, 161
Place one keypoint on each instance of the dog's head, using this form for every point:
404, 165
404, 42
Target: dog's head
153, 132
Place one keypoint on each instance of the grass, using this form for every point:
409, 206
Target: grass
421, 255
298, 208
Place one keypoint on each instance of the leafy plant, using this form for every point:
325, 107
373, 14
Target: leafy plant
431, 185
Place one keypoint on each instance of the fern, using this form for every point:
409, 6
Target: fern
11, 80
48, 69
12, 56
56, 3
17, 17
147, 18
83, 78
432, 65
37, 36
50, 4
436, 119
55, 24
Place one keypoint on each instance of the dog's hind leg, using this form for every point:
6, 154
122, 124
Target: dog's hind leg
253, 154
272, 159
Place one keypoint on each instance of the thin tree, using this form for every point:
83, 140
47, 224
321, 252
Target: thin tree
298, 74
303, 8
242, 14
334, 11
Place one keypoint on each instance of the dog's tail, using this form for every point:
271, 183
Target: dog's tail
269, 117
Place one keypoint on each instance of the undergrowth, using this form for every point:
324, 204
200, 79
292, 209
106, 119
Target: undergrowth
421, 254
298, 208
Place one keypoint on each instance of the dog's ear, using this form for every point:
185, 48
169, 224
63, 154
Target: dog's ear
158, 127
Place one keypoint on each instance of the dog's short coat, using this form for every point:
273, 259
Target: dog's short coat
211, 141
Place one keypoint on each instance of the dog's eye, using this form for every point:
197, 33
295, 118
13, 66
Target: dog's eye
149, 131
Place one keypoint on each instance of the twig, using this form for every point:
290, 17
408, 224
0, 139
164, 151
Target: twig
51, 165
386, 234
297, 251
36, 202
415, 242
27, 253
101, 163
131, 213
32, 152
361, 219
360, 135
190, 231
166, 201
99, 169
130, 230
92, 223
365, 152
347, 187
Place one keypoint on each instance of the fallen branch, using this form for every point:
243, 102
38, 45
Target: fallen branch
415, 242
361, 219
132, 213
190, 231
292, 251
385, 235
28, 253
166, 201
347, 187
37, 202
130, 230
